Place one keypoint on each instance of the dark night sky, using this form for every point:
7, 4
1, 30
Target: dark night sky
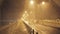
12, 9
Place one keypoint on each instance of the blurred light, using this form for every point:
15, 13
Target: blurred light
25, 21
25, 14
43, 2
31, 2
25, 11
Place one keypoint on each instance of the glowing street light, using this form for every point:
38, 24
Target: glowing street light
25, 11
43, 2
31, 2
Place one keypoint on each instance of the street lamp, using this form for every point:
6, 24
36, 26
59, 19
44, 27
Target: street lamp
43, 3
31, 2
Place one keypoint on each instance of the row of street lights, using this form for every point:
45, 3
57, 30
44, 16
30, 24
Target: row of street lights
30, 12
30, 8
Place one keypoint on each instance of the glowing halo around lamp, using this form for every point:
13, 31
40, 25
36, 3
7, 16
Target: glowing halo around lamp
31, 2
43, 3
